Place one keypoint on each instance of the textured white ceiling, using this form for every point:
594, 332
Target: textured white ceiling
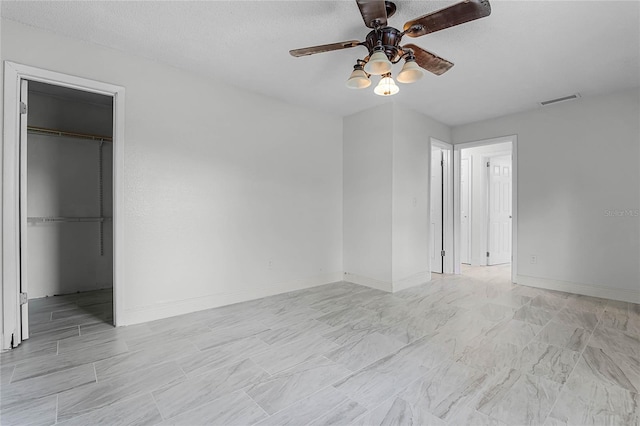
524, 53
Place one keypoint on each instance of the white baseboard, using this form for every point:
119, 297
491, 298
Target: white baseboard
368, 282
179, 307
625, 295
412, 281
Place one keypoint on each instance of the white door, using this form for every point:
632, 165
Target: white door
499, 239
435, 233
465, 210
24, 307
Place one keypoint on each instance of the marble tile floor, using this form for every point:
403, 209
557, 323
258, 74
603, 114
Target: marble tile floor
469, 349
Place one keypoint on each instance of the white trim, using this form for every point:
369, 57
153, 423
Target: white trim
412, 281
514, 198
10, 208
368, 282
13, 73
457, 224
594, 290
22, 197
169, 309
448, 217
514, 209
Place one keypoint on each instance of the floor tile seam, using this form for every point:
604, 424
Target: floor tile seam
44, 376
13, 370
295, 402
40, 333
311, 357
332, 409
72, 364
43, 333
562, 387
486, 415
609, 349
136, 394
276, 344
57, 407
306, 335
475, 394
473, 399
128, 398
597, 312
244, 391
562, 348
604, 327
155, 402
371, 363
95, 372
378, 405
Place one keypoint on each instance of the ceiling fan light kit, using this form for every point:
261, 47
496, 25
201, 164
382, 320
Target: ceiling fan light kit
387, 86
378, 63
410, 72
383, 43
358, 79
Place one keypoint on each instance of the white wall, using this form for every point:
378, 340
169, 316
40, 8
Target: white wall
63, 180
2, 339
411, 169
478, 188
368, 155
386, 196
229, 195
576, 161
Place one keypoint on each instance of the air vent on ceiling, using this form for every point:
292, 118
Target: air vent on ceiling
562, 99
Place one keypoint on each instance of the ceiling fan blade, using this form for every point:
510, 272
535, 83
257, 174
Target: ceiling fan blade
373, 11
324, 48
429, 61
457, 14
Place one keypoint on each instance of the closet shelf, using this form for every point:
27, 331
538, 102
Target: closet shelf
54, 132
67, 219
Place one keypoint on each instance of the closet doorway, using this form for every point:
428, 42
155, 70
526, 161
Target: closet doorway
62, 180
67, 264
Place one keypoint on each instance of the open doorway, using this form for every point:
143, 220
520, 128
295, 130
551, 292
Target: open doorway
63, 167
67, 255
484, 211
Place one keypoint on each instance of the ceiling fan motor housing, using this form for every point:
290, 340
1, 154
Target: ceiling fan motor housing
388, 37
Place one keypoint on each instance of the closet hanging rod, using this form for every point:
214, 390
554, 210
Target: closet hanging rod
67, 219
55, 132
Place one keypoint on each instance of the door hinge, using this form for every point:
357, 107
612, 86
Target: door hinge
487, 254
441, 253
441, 163
23, 108
23, 298
487, 164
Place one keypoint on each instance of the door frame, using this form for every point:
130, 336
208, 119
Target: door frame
447, 217
469, 201
14, 73
514, 198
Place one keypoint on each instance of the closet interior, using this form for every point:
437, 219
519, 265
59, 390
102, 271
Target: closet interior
69, 209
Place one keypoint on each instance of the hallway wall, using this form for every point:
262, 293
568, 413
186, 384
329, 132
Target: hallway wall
578, 193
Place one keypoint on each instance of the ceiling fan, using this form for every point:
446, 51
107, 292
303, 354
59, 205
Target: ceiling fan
383, 43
